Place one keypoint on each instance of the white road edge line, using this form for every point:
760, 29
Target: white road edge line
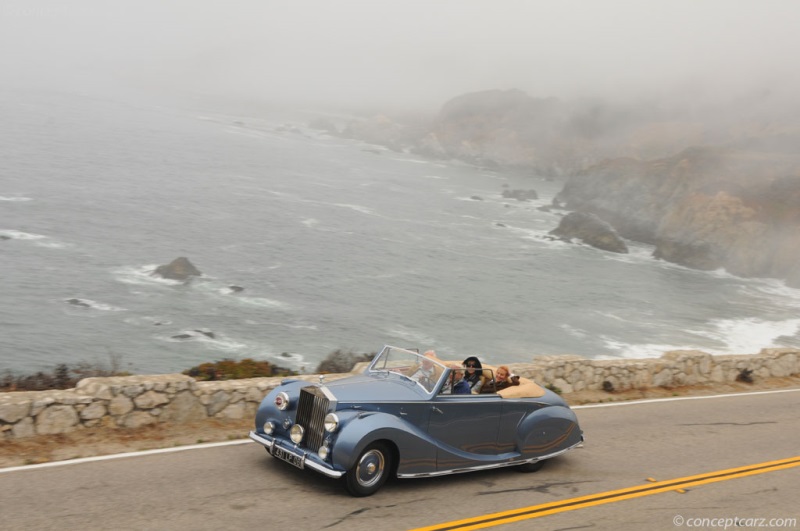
82, 460
679, 398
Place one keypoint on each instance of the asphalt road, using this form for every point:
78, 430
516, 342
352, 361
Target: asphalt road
635, 445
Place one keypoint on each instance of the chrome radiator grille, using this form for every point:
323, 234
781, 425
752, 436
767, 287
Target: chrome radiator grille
311, 410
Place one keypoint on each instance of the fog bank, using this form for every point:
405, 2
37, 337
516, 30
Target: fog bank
403, 53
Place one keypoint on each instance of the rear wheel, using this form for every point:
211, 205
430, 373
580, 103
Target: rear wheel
530, 467
370, 471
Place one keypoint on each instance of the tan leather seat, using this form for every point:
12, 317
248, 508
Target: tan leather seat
527, 388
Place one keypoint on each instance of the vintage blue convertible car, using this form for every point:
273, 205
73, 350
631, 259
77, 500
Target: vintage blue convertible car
398, 418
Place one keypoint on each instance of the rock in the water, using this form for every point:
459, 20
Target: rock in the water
324, 124
179, 269
79, 302
193, 334
520, 195
235, 289
591, 230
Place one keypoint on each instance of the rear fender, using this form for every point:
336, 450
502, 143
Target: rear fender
547, 431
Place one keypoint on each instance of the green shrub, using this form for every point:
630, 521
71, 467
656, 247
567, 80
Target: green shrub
340, 361
63, 376
235, 370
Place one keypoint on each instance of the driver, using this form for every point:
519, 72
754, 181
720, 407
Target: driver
425, 374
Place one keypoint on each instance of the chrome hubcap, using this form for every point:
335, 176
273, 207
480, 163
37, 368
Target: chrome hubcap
370, 468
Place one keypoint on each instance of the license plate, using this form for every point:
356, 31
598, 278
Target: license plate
289, 457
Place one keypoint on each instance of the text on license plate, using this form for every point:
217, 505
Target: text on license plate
284, 455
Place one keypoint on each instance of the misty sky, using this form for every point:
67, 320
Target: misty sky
401, 53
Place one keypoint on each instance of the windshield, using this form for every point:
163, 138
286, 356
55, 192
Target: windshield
424, 370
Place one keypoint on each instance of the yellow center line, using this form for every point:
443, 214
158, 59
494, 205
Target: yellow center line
536, 511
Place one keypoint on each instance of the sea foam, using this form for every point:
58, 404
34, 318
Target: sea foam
18, 199
142, 275
19, 235
93, 305
750, 335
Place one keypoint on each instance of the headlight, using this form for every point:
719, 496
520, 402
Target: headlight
296, 433
269, 428
331, 422
282, 401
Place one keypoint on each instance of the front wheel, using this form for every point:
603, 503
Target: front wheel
370, 471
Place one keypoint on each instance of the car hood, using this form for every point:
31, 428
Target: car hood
378, 387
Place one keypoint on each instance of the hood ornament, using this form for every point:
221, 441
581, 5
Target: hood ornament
322, 379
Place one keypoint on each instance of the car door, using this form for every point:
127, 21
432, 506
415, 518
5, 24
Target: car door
465, 429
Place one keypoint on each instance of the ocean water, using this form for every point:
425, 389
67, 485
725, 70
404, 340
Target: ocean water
337, 244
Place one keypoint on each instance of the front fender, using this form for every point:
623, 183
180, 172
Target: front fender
416, 453
267, 409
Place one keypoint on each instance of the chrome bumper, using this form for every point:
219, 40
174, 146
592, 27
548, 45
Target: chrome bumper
268, 442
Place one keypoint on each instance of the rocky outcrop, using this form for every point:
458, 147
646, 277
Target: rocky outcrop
707, 208
591, 230
553, 137
379, 130
179, 269
397, 134
495, 127
324, 123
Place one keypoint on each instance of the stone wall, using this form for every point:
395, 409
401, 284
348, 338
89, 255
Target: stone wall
673, 369
135, 401
132, 402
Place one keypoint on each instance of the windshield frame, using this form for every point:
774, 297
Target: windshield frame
406, 363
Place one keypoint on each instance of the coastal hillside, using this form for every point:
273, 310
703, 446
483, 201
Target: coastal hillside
554, 137
710, 186
549, 136
733, 207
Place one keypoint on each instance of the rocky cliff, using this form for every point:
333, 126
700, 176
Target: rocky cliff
735, 207
712, 187
552, 137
